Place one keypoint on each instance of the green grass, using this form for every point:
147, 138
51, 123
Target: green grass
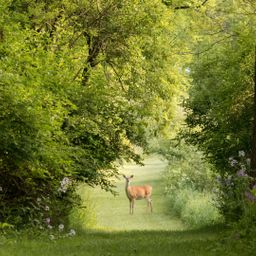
112, 212
172, 243
118, 233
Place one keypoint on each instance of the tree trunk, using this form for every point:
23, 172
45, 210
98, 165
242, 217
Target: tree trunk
94, 45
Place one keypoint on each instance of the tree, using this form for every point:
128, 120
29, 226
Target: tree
80, 82
221, 107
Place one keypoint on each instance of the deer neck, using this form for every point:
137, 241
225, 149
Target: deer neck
127, 185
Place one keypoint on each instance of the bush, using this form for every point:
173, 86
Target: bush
200, 211
235, 193
194, 208
187, 168
189, 181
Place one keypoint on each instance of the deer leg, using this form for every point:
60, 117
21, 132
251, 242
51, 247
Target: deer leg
147, 204
151, 207
132, 206
150, 204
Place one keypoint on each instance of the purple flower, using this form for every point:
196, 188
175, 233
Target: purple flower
250, 196
241, 173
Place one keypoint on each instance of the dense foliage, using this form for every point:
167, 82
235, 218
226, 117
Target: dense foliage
190, 184
81, 83
221, 107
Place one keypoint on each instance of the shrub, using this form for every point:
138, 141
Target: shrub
187, 168
189, 181
194, 208
200, 211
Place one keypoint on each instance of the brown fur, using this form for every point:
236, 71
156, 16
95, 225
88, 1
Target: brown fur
137, 192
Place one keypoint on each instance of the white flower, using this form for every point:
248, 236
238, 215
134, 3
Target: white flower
50, 226
65, 181
47, 208
72, 232
64, 184
62, 190
61, 227
51, 237
48, 220
233, 162
241, 153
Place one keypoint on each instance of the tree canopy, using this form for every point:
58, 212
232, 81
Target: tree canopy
82, 84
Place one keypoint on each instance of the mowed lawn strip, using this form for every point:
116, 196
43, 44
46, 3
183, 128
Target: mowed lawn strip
113, 211
172, 243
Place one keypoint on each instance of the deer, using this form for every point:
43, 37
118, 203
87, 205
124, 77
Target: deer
137, 192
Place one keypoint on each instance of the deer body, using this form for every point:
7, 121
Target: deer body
137, 192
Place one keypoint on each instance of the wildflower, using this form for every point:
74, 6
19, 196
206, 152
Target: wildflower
241, 173
48, 220
248, 161
50, 226
47, 208
250, 196
233, 162
241, 153
65, 181
64, 184
72, 232
51, 237
61, 227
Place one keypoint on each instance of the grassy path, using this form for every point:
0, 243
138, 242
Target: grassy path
113, 212
118, 233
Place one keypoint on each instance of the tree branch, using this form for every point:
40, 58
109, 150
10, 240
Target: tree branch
189, 7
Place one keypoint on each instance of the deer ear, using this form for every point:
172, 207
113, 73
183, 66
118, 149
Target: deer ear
124, 176
131, 176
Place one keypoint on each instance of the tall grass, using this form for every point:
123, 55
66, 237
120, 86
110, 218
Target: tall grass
84, 216
195, 208
188, 184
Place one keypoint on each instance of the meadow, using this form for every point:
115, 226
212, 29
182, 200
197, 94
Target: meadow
116, 232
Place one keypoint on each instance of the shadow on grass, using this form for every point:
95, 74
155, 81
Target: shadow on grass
205, 241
